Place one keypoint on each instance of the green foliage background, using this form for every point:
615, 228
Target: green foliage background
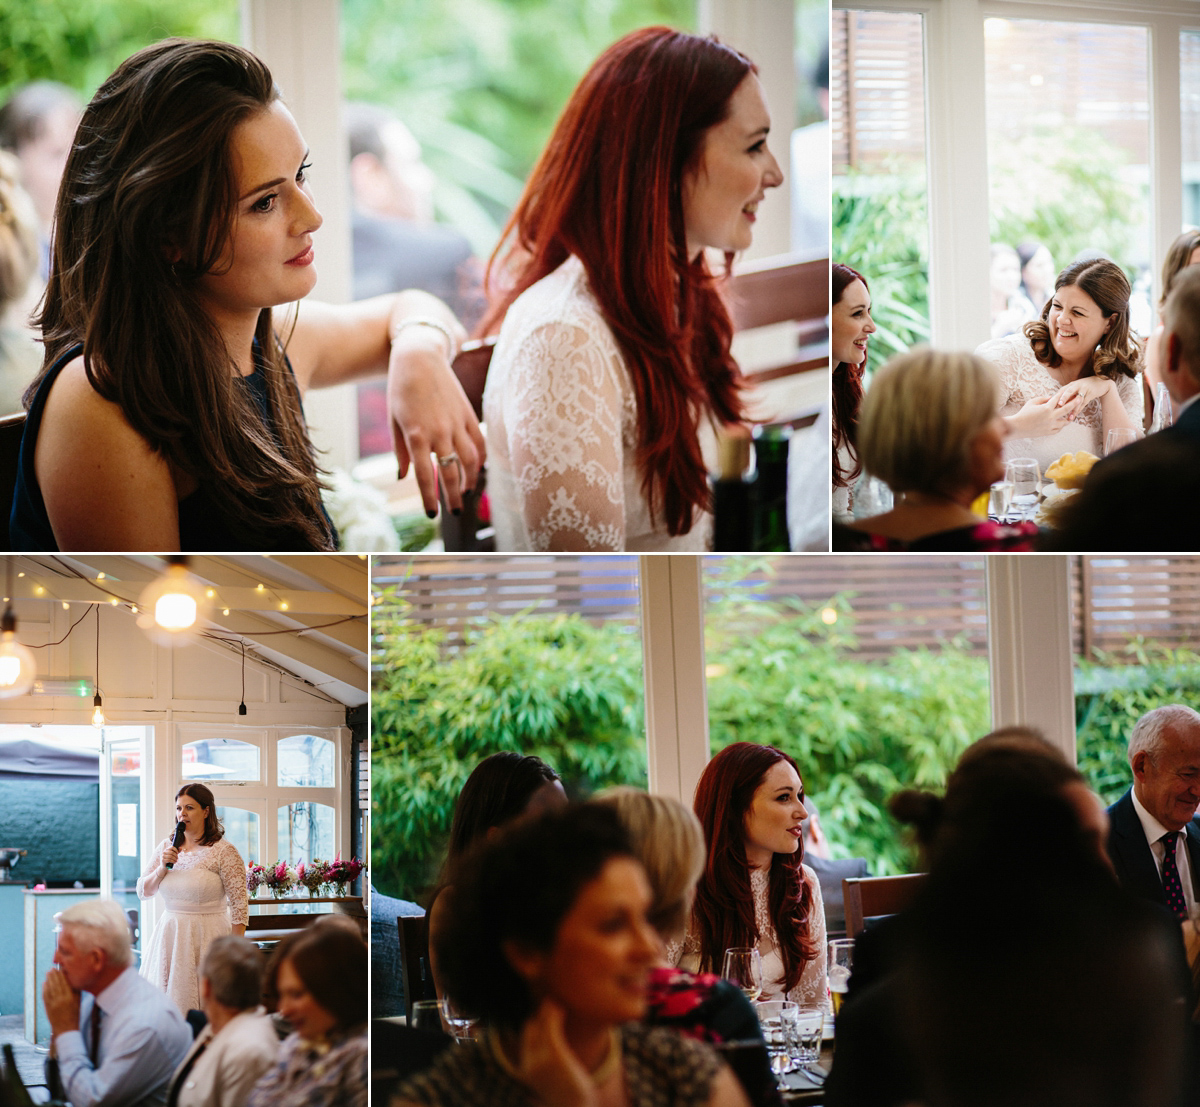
571, 692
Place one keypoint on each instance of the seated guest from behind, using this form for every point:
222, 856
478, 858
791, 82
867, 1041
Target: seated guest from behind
117, 1037
239, 1042
322, 986
550, 948
929, 429
1144, 497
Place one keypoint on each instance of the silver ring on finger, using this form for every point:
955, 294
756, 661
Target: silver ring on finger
448, 459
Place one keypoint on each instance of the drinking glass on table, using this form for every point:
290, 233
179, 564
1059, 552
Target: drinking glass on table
999, 499
427, 1015
743, 968
841, 961
1022, 473
461, 1026
1118, 437
771, 1014
803, 1029
1164, 414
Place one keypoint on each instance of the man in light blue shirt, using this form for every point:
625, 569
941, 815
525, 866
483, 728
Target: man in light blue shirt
118, 1038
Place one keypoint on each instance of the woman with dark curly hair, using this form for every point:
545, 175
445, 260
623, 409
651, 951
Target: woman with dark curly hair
1072, 376
203, 881
755, 889
550, 947
851, 327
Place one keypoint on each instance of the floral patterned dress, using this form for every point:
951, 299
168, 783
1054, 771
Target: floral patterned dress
329, 1074
205, 895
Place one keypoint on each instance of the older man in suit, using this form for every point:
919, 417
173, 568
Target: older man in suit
1144, 497
1154, 841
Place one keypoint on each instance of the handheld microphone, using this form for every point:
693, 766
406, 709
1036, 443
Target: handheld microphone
177, 841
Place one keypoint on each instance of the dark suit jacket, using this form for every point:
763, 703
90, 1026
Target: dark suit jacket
1131, 856
1143, 497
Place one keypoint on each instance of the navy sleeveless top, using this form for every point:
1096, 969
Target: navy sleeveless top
203, 524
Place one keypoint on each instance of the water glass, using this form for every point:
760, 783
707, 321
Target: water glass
1023, 474
743, 968
1164, 414
999, 500
427, 1015
1118, 437
803, 1029
461, 1026
841, 961
771, 1014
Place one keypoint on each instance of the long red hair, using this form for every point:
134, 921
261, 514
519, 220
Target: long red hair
723, 912
608, 188
847, 388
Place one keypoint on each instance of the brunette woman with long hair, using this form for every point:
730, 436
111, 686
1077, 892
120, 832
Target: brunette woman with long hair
203, 881
1071, 376
167, 415
851, 327
755, 889
613, 368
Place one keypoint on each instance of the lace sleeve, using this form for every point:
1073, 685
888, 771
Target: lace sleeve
1130, 391
564, 417
811, 991
1017, 369
150, 868
232, 871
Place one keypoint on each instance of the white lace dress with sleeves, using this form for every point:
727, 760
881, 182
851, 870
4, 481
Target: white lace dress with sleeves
561, 420
205, 894
810, 990
1023, 377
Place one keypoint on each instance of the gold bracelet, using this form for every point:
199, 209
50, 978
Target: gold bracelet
426, 321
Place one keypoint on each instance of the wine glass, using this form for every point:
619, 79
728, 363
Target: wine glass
999, 499
1117, 438
841, 961
1164, 414
1023, 474
743, 967
426, 1015
461, 1026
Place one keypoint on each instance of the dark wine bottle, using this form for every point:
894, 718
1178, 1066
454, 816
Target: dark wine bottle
770, 488
732, 512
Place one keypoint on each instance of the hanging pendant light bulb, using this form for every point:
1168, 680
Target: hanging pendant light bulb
97, 703
17, 667
173, 605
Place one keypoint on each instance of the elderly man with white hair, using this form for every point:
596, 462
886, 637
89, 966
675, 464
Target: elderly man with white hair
118, 1038
1154, 841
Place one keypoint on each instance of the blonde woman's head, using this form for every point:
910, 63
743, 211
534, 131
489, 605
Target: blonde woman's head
923, 423
667, 840
18, 233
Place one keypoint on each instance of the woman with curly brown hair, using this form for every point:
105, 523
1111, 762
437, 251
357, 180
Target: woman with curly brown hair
1072, 376
755, 889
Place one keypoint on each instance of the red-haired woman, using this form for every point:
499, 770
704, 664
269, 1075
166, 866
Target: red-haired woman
851, 326
613, 367
755, 890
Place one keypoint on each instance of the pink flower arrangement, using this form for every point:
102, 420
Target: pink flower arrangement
313, 876
342, 873
255, 875
281, 879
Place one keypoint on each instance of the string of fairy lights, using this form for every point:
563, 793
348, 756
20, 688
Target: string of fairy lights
172, 610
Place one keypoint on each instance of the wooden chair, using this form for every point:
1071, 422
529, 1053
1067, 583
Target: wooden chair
868, 897
788, 288
415, 972
467, 533
11, 429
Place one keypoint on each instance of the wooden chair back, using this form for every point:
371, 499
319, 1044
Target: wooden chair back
12, 427
868, 897
415, 972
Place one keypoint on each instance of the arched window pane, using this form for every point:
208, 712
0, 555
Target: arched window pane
305, 761
220, 759
305, 832
241, 828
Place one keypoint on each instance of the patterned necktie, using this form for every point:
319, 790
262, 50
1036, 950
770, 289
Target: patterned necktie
1172, 885
94, 1027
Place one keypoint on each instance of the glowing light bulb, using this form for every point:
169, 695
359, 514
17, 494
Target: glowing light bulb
97, 711
17, 667
829, 616
173, 606
175, 611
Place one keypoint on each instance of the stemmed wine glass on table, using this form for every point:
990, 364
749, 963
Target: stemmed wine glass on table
1024, 476
461, 1026
743, 968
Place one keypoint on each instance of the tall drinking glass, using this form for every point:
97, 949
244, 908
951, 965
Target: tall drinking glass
1022, 473
999, 498
1117, 438
1164, 414
841, 961
743, 967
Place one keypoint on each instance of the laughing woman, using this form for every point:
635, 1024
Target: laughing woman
169, 395
613, 367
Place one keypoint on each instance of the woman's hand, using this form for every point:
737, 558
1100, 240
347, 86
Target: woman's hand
548, 1066
170, 856
1037, 419
1074, 397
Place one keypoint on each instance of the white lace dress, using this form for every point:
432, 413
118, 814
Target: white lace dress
1023, 377
810, 991
205, 895
561, 422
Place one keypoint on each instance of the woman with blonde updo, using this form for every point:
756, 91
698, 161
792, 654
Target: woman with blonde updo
20, 356
929, 430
